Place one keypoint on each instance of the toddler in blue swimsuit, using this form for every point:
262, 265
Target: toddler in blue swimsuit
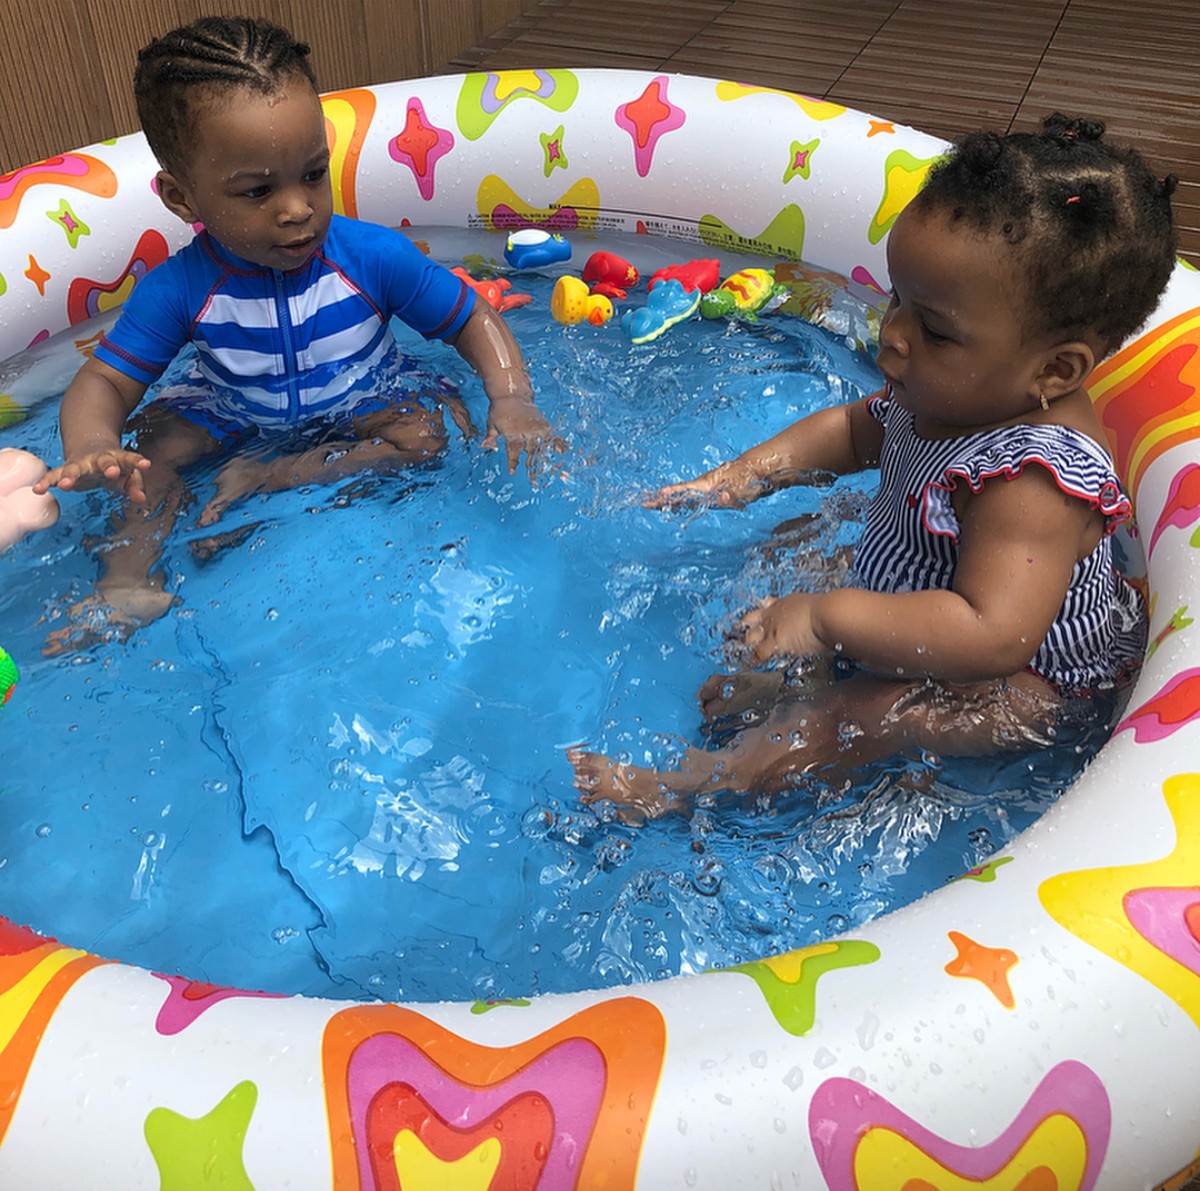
983, 592
287, 306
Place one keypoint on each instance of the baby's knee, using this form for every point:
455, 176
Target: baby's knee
415, 432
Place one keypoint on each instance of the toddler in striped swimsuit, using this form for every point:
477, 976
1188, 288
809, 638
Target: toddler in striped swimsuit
983, 592
287, 305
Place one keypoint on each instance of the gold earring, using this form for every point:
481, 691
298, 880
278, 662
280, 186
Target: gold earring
1043, 402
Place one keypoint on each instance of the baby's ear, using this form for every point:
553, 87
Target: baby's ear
1066, 368
175, 196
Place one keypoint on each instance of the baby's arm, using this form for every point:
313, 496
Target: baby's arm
94, 410
840, 439
1019, 540
488, 345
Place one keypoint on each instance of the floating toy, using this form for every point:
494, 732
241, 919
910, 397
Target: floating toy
571, 303
21, 509
748, 292
9, 676
698, 274
609, 274
669, 303
495, 292
531, 248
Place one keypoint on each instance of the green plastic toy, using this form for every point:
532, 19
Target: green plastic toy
9, 677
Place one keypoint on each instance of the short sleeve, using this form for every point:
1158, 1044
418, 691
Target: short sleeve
1079, 466
406, 283
153, 327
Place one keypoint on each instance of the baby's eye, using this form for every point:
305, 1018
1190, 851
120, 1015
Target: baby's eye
256, 192
315, 175
934, 336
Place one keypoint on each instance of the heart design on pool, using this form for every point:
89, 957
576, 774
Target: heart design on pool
87, 298
413, 1104
1056, 1142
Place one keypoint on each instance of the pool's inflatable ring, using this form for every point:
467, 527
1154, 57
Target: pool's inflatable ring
1034, 1023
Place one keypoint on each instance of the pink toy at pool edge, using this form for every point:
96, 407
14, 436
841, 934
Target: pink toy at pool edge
21, 510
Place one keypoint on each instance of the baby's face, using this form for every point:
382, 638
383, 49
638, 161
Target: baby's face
952, 344
258, 174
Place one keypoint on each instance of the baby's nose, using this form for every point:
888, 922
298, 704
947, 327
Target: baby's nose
295, 208
891, 336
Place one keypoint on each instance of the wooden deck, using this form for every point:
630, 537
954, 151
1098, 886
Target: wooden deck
944, 68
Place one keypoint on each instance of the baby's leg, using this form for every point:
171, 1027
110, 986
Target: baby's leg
794, 737
130, 591
750, 694
414, 430
387, 439
832, 730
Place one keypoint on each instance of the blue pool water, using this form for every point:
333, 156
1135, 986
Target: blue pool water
337, 767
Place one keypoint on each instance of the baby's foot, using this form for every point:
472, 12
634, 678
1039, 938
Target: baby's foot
638, 792
207, 548
749, 695
239, 478
109, 616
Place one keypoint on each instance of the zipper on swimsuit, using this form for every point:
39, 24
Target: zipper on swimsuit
283, 316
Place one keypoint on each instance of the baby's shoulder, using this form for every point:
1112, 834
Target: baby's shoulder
1078, 464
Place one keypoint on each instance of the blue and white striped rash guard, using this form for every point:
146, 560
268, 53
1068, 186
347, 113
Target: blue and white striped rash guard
911, 538
280, 347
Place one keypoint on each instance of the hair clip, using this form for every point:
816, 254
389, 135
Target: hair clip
1073, 198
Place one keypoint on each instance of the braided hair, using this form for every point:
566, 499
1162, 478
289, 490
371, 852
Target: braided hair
212, 55
1089, 224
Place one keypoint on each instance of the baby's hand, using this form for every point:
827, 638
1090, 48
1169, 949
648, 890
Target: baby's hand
115, 468
726, 487
782, 627
523, 427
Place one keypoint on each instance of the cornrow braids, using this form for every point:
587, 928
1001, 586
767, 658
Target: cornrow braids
1089, 224
212, 55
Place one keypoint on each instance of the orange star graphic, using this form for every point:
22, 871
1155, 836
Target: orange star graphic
988, 965
878, 126
37, 275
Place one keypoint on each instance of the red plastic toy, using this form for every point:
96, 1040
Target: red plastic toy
609, 274
698, 274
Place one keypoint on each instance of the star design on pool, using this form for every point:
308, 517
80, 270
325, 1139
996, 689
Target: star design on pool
37, 275
647, 119
420, 145
552, 147
800, 160
197, 1152
989, 965
67, 220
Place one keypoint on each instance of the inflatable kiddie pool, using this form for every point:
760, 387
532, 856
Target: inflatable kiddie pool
1033, 1024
